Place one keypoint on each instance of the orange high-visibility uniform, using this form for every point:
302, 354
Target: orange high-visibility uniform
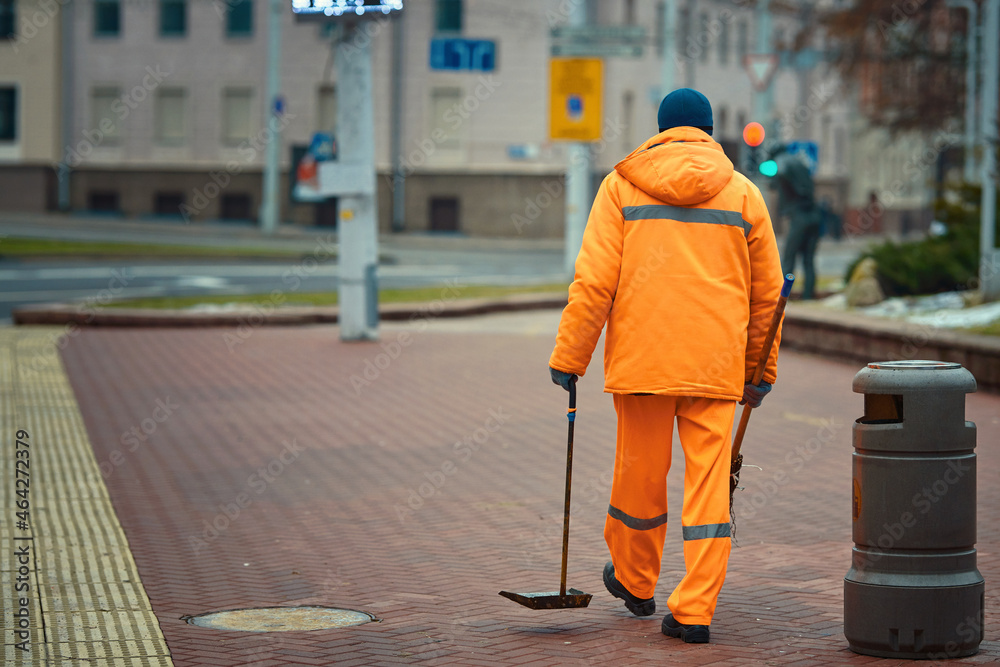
679, 259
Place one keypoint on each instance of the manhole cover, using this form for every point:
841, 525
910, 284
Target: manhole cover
280, 619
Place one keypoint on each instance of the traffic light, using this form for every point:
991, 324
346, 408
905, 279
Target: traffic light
753, 134
753, 137
769, 168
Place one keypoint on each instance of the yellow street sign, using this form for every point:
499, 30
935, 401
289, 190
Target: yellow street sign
576, 90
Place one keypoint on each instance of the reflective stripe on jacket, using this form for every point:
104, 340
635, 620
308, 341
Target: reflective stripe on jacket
679, 259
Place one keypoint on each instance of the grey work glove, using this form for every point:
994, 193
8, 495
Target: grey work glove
564, 380
753, 394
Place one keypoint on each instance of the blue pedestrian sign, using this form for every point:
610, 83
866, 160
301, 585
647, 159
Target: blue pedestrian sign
808, 150
477, 55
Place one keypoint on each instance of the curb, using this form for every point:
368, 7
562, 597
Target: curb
76, 315
807, 328
855, 337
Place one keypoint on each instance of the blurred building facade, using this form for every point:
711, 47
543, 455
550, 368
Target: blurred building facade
30, 86
169, 117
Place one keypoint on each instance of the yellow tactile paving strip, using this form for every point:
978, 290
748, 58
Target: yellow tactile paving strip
86, 604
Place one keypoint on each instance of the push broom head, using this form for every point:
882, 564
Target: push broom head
573, 599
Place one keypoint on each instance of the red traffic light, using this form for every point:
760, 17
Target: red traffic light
753, 134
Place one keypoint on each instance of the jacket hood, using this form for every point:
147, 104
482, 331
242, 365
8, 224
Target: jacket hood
680, 166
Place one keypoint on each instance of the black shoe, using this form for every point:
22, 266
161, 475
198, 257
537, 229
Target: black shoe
637, 606
691, 634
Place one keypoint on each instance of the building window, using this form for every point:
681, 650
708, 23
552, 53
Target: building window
168, 203
448, 16
235, 207
237, 106
8, 114
444, 214
628, 117
105, 123
742, 40
107, 18
661, 18
721, 128
173, 18
8, 15
239, 18
444, 101
629, 12
706, 33
169, 116
103, 201
723, 42
326, 109
683, 28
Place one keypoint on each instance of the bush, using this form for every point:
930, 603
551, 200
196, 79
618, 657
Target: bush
937, 263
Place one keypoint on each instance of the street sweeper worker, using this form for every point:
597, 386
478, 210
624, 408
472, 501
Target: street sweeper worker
679, 260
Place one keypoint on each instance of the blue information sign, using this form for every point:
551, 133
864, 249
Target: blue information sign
463, 54
808, 149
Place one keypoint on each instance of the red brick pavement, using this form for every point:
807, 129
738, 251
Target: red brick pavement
342, 523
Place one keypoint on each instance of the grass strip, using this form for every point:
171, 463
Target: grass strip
17, 247
409, 295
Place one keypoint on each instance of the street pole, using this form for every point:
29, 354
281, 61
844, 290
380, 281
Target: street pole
67, 26
763, 100
668, 66
398, 174
357, 223
269, 207
971, 61
988, 269
578, 195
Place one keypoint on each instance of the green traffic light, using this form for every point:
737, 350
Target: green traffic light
769, 168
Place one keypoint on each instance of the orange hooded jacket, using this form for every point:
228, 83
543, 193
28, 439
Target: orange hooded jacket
679, 258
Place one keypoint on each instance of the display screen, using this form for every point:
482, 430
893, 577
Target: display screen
346, 7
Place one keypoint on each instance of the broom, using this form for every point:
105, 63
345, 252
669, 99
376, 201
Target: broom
758, 375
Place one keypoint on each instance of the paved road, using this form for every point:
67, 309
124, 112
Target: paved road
427, 475
94, 283
409, 261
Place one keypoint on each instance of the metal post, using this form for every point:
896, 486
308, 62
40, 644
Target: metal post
270, 208
578, 194
398, 175
67, 27
357, 223
763, 100
972, 61
668, 68
988, 269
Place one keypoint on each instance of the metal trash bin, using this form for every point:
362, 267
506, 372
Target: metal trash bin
913, 590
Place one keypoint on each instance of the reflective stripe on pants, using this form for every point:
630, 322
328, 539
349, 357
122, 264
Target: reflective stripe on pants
637, 517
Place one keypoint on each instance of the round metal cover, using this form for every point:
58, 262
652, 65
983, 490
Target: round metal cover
914, 364
280, 619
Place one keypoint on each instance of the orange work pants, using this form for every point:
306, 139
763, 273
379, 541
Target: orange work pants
637, 517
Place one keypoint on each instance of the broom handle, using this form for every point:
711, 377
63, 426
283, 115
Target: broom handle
765, 354
571, 415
